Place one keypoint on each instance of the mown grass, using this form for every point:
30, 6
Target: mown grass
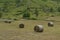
13, 32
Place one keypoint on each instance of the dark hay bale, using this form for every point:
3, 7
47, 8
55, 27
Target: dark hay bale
15, 19
21, 25
52, 15
50, 24
38, 28
7, 21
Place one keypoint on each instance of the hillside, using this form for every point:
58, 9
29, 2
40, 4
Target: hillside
35, 9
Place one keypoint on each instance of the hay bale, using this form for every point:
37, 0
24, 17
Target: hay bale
38, 28
52, 15
50, 24
7, 21
21, 25
15, 19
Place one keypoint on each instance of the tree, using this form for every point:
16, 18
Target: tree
0, 15
58, 9
36, 12
18, 3
5, 7
51, 9
26, 14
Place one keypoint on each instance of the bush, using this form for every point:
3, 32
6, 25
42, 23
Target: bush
26, 16
33, 18
0, 15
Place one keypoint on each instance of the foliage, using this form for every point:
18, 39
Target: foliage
0, 15
10, 7
26, 15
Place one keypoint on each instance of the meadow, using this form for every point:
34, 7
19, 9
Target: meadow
13, 32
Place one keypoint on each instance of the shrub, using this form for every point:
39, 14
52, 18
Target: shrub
26, 16
33, 18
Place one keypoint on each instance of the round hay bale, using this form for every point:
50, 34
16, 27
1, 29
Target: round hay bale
50, 24
52, 15
21, 25
38, 28
6, 21
15, 19
9, 21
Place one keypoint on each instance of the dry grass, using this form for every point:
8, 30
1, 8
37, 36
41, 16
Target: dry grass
13, 32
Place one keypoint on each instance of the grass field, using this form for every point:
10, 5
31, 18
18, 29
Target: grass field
13, 32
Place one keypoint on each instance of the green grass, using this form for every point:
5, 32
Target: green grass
13, 32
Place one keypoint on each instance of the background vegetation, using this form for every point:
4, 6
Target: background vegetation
34, 9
